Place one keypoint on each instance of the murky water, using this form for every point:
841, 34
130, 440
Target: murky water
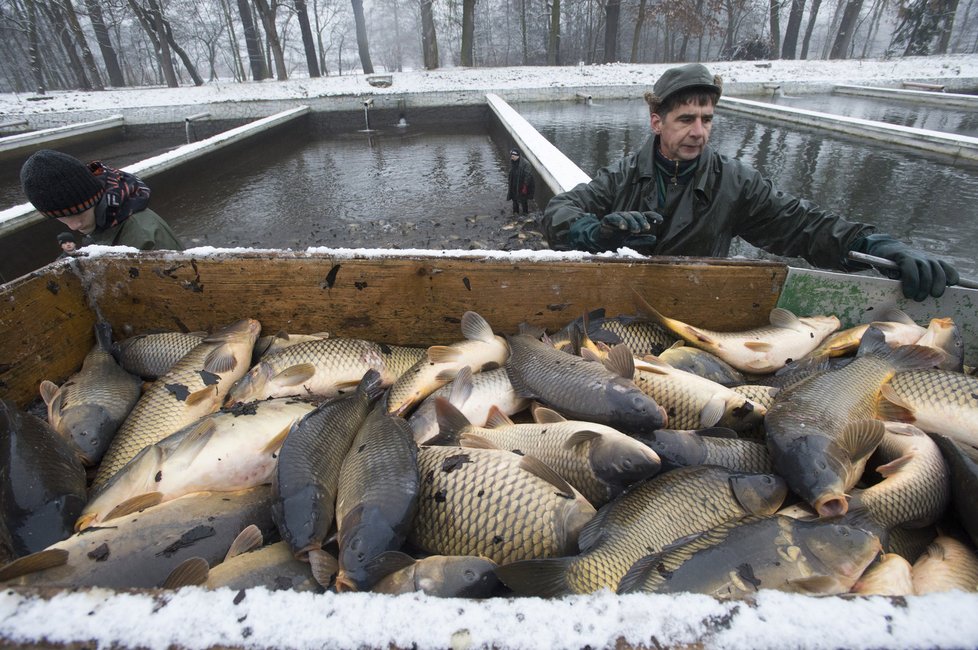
925, 200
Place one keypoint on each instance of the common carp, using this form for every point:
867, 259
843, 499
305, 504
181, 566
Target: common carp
738, 559
194, 387
897, 328
42, 482
702, 364
597, 460
91, 405
962, 461
937, 401
444, 576
496, 504
760, 350
944, 334
376, 499
226, 451
152, 355
273, 567
821, 431
641, 335
308, 474
646, 519
580, 389
890, 576
947, 565
714, 446
480, 350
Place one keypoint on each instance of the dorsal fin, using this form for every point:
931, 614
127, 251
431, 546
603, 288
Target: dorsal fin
621, 362
544, 415
475, 441
783, 318
580, 438
541, 470
248, 539
476, 328
191, 572
451, 422
497, 418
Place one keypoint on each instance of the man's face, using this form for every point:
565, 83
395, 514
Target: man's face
684, 131
83, 222
514, 157
68, 246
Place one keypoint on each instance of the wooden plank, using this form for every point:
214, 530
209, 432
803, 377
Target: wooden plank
416, 300
47, 329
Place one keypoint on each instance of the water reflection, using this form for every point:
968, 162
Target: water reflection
926, 201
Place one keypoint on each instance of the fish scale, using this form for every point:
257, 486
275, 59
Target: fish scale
152, 355
481, 502
937, 401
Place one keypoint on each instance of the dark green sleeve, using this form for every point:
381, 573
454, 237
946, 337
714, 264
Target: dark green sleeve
597, 197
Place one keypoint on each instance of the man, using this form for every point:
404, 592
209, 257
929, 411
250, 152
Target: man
68, 247
106, 205
677, 196
521, 182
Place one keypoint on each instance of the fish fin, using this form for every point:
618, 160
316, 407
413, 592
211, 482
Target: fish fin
814, 585
48, 390
447, 375
784, 319
621, 362
529, 329
862, 437
897, 315
220, 360
461, 389
655, 365
903, 429
443, 354
712, 412
385, 564
295, 375
895, 465
39, 561
192, 572
324, 567
134, 504
475, 441
631, 582
915, 357
195, 440
592, 532
541, 470
520, 389
580, 438
248, 539
890, 406
497, 418
476, 328
758, 346
451, 422
103, 336
544, 415
717, 432
545, 577
196, 397
276, 443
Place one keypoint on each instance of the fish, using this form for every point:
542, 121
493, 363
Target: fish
443, 576
758, 393
226, 451
480, 350
738, 559
583, 390
194, 387
267, 345
947, 565
962, 462
760, 350
897, 328
309, 463
140, 550
693, 402
42, 482
273, 567
641, 335
597, 460
702, 363
152, 355
713, 446
821, 431
937, 401
472, 394
92, 404
495, 504
376, 499
915, 490
648, 518
889, 576
943, 334
321, 368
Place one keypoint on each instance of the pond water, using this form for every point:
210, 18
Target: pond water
927, 201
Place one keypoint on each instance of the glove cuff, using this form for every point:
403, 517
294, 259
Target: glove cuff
583, 234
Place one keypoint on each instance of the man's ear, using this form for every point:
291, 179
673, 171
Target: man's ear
656, 124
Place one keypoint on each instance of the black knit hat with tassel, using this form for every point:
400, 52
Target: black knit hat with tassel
59, 185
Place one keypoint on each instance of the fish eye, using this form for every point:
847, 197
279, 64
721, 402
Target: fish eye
469, 575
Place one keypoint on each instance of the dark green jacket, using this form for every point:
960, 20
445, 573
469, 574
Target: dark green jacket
144, 230
725, 198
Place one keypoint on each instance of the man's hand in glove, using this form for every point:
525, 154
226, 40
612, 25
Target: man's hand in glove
613, 230
921, 274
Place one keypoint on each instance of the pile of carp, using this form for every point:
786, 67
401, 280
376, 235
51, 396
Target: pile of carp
628, 453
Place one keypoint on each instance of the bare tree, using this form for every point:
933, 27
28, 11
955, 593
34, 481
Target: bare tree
58, 21
468, 32
267, 14
429, 39
32, 49
259, 70
104, 41
812, 17
308, 44
612, 11
553, 34
774, 9
847, 27
362, 45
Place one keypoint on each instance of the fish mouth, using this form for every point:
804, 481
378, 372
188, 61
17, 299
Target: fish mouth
833, 505
344, 583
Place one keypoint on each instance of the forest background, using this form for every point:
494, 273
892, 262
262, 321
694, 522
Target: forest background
96, 44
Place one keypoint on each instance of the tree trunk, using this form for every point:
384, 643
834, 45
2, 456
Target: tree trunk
33, 53
116, 79
612, 14
790, 45
86, 52
840, 48
468, 32
523, 36
258, 69
946, 26
267, 15
833, 27
399, 57
774, 11
166, 58
184, 58
810, 28
429, 39
308, 44
368, 67
637, 35
57, 18
553, 40
239, 72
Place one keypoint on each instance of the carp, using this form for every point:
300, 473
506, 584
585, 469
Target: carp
947, 565
714, 446
152, 355
962, 461
937, 401
443, 576
890, 576
273, 567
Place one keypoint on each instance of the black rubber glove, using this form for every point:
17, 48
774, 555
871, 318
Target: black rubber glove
614, 230
921, 274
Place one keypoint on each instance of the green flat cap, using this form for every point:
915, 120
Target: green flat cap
682, 77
